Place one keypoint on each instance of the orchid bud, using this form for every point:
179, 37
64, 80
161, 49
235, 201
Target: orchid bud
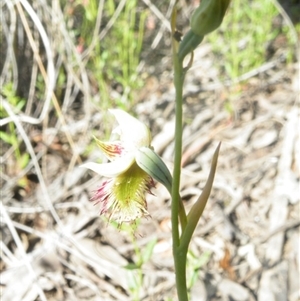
208, 16
205, 19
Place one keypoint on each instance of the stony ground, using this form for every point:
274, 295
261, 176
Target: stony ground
246, 247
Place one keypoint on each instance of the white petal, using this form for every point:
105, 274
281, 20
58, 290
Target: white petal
133, 132
111, 169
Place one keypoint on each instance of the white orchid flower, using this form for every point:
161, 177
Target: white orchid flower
122, 196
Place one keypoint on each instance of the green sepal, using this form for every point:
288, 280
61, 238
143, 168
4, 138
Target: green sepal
149, 161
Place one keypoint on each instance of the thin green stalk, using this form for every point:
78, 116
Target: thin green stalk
180, 257
178, 145
178, 82
178, 253
205, 19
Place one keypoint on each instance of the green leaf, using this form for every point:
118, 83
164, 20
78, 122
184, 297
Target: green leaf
153, 165
23, 160
198, 208
189, 43
6, 137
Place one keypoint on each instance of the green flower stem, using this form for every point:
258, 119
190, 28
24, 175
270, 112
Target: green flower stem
178, 82
180, 256
177, 206
206, 18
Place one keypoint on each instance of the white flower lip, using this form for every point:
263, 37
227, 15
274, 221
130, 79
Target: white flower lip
133, 135
111, 169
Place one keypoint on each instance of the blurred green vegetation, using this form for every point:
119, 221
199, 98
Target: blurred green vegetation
241, 43
141, 257
114, 59
9, 135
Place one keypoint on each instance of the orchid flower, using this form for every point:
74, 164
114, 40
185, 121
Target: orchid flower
122, 196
